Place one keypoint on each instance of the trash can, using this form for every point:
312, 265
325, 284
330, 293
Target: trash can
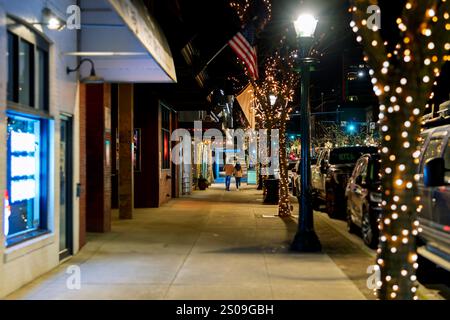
271, 195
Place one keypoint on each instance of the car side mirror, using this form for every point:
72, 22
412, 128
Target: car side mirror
434, 172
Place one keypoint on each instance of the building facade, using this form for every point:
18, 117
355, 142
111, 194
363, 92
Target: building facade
38, 110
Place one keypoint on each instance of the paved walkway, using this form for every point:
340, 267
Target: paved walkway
211, 245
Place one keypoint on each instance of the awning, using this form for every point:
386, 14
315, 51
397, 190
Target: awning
125, 42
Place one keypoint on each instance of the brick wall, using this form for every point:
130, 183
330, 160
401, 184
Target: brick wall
82, 178
98, 166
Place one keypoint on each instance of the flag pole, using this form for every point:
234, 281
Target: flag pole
215, 56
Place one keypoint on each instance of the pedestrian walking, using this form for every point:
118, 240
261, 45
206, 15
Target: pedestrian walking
238, 174
229, 169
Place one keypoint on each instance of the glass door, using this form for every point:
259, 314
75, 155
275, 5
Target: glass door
66, 183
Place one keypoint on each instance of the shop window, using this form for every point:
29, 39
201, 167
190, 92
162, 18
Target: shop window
25, 207
447, 162
12, 65
41, 79
27, 67
165, 137
25, 73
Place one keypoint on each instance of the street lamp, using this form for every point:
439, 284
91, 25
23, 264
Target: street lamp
305, 26
305, 239
272, 99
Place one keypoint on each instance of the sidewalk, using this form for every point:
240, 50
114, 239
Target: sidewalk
211, 245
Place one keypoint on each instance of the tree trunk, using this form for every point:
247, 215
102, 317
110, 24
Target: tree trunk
284, 204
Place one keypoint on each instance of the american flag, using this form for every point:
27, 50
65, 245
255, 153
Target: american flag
242, 44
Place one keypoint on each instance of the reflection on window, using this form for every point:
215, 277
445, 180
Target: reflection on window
433, 150
447, 162
25, 56
165, 138
41, 79
28, 80
12, 54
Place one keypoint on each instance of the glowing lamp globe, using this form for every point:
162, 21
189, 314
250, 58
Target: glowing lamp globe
273, 99
305, 26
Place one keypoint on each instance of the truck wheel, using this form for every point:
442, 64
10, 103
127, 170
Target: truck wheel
351, 226
330, 203
315, 201
369, 229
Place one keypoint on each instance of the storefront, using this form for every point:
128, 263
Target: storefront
38, 197
44, 124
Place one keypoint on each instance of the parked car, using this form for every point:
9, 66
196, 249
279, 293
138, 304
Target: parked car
291, 175
296, 177
363, 196
330, 175
434, 190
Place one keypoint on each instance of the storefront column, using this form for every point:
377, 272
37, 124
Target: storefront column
3, 81
126, 133
98, 157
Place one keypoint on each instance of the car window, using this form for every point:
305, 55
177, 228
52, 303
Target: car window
349, 155
321, 157
357, 169
364, 170
374, 170
326, 154
447, 162
434, 147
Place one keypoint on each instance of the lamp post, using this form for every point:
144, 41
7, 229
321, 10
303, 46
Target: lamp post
271, 184
305, 239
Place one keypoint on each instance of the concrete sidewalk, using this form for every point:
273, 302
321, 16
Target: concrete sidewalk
211, 245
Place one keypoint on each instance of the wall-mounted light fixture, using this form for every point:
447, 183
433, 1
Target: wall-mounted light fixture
93, 78
51, 20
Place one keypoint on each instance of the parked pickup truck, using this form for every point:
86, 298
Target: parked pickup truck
434, 189
330, 175
363, 196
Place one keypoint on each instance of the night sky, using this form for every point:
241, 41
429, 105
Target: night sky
208, 25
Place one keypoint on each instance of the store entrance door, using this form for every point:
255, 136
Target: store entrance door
66, 191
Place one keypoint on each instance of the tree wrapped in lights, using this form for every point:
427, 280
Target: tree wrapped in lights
274, 94
250, 9
339, 136
403, 74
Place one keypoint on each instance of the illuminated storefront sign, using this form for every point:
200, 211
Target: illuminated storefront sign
22, 142
23, 207
23, 166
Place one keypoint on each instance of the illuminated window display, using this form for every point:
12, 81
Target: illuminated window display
24, 196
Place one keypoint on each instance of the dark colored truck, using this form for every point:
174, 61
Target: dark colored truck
330, 175
434, 189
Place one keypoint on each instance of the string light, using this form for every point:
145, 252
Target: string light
279, 80
400, 92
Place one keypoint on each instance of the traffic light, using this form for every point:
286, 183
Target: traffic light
351, 128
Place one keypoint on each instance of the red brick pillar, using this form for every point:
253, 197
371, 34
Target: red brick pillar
98, 157
126, 133
82, 115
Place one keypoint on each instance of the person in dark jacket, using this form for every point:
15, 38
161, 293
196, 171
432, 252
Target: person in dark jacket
238, 174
